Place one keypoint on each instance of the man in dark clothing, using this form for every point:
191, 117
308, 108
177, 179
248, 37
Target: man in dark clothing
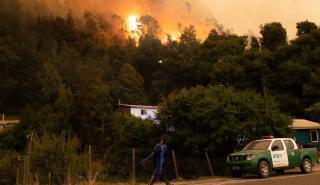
159, 156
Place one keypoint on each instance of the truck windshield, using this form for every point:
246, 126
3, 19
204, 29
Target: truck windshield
257, 145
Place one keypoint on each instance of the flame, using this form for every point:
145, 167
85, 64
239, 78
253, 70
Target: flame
132, 23
172, 16
170, 36
133, 27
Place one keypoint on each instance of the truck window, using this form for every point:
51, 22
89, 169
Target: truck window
289, 144
258, 145
277, 146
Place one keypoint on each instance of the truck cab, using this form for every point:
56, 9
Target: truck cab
271, 154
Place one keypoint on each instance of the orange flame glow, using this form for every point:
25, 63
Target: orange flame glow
132, 23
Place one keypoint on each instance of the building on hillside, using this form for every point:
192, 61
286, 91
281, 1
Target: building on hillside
307, 133
140, 111
7, 122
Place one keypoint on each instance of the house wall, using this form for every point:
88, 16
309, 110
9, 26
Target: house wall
303, 137
150, 113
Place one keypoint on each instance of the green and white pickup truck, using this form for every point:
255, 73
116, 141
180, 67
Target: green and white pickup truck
266, 155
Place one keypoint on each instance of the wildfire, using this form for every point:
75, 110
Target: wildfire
132, 23
170, 36
134, 28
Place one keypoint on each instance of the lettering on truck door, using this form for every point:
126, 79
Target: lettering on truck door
279, 154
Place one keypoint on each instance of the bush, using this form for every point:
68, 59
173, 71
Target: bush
8, 168
127, 133
56, 155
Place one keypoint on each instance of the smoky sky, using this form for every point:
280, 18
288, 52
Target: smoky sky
245, 16
239, 16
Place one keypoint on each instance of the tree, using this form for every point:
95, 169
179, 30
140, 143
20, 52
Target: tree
189, 44
56, 155
255, 43
219, 119
129, 132
8, 173
9, 61
92, 103
288, 85
229, 71
151, 26
129, 86
273, 36
218, 45
147, 57
305, 27
313, 112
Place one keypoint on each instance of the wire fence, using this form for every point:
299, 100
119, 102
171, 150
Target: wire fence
175, 168
188, 168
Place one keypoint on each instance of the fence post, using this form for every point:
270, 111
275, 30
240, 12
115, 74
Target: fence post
49, 178
17, 177
133, 166
28, 160
175, 164
25, 170
89, 163
209, 164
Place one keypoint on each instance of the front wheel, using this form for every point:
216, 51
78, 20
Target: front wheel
306, 166
263, 170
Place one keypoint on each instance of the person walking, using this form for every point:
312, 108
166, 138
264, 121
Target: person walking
160, 153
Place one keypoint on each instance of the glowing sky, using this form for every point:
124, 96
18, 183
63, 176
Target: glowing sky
241, 16
245, 15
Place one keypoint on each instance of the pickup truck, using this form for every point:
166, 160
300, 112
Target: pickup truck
273, 154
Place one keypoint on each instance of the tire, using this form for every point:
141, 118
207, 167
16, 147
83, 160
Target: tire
236, 174
263, 170
280, 171
306, 166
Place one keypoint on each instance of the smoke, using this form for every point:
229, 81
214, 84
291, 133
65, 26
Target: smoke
171, 15
188, 6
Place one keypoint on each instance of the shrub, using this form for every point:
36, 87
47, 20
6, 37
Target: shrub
8, 168
127, 133
56, 155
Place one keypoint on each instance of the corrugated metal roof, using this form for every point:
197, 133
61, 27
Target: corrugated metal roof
304, 124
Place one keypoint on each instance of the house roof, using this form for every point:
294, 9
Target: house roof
304, 124
139, 106
6, 120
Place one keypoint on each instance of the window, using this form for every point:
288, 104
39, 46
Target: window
289, 144
258, 145
314, 136
143, 112
277, 146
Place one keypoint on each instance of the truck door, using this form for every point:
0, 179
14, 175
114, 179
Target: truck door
293, 154
279, 155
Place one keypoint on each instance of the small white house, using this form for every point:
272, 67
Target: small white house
139, 111
7, 122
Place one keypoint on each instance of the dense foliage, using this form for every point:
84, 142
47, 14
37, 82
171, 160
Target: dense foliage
56, 155
219, 119
8, 172
127, 133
